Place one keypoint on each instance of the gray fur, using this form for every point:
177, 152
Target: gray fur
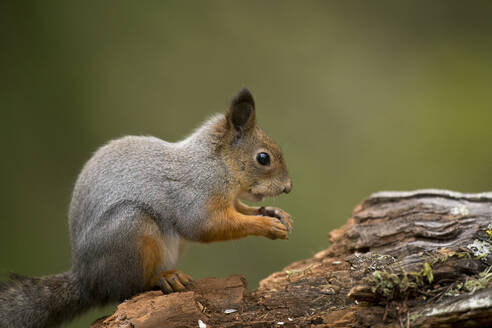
125, 185
123, 181
40, 302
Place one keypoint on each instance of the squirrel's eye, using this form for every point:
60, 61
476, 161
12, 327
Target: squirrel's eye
263, 158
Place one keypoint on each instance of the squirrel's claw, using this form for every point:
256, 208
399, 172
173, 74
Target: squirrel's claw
275, 229
287, 221
164, 286
279, 214
174, 281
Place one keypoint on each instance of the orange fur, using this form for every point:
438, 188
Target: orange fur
245, 209
226, 223
151, 248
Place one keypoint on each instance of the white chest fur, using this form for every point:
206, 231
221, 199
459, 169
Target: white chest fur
173, 246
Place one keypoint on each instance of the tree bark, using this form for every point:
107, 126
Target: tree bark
403, 259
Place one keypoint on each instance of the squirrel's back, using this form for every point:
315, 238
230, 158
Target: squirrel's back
174, 180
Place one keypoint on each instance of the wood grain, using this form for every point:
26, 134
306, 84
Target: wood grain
403, 259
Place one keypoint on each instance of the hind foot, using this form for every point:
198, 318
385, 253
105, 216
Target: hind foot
173, 281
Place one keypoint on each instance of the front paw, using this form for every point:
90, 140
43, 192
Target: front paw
274, 229
279, 214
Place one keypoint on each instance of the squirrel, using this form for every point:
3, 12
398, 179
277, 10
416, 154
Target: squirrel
138, 199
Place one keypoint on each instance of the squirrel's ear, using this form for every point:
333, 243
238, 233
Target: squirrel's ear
241, 112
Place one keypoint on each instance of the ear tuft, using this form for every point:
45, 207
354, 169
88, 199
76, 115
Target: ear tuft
243, 96
241, 113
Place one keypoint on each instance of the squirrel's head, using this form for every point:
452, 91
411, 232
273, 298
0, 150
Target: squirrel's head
252, 156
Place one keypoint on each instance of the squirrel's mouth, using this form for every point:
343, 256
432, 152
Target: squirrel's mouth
251, 196
258, 197
257, 193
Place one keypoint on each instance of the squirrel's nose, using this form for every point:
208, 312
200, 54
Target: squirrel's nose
288, 187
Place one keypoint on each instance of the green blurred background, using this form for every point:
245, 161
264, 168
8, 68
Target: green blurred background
362, 96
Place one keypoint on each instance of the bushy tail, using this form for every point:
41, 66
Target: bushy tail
39, 302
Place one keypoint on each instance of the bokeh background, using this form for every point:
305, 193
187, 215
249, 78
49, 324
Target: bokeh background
362, 96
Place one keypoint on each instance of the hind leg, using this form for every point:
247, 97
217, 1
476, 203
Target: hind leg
124, 254
158, 255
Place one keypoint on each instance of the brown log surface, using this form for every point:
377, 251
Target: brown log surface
403, 259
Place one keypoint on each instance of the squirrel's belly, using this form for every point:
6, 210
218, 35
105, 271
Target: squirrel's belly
172, 250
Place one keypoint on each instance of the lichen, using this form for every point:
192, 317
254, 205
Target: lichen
394, 284
488, 231
444, 255
460, 210
414, 316
480, 248
471, 285
427, 271
380, 261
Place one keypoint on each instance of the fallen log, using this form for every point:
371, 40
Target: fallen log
403, 259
